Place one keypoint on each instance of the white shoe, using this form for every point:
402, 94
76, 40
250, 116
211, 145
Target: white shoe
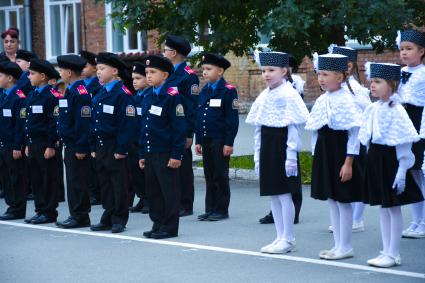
282, 247
387, 261
322, 254
330, 229
419, 232
410, 230
358, 226
373, 260
339, 255
266, 248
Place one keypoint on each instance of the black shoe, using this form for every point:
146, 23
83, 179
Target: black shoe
61, 223
100, 227
148, 234
28, 220
1, 193
296, 220
204, 216
137, 208
162, 235
76, 224
30, 196
117, 228
43, 219
184, 212
94, 201
11, 216
216, 216
145, 209
268, 219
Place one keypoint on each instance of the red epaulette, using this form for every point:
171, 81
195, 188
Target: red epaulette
56, 93
173, 91
20, 93
189, 70
229, 86
82, 90
126, 90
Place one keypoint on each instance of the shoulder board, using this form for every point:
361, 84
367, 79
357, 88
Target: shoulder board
82, 90
20, 93
126, 90
189, 70
56, 93
229, 86
173, 91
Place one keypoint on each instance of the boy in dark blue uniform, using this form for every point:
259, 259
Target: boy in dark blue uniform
111, 130
162, 141
93, 87
137, 176
216, 128
23, 58
12, 114
186, 80
73, 130
41, 138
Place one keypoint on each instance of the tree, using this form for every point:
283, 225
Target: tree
295, 26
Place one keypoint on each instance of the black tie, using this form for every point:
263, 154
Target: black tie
405, 76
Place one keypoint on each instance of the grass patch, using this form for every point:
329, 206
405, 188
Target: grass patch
247, 162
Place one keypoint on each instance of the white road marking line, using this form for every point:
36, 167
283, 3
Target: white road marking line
223, 250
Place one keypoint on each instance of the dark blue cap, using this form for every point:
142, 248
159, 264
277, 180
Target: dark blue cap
274, 59
333, 62
414, 36
385, 71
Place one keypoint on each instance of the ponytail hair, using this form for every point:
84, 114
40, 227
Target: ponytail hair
346, 80
356, 73
289, 75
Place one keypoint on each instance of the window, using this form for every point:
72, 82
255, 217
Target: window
62, 27
12, 15
126, 41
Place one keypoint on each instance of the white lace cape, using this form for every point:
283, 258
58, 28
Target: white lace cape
413, 92
361, 94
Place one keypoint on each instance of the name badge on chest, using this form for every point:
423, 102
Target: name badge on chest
215, 102
63, 103
37, 109
7, 113
108, 109
139, 111
155, 110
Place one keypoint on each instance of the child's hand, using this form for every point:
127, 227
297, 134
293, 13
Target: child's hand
142, 164
80, 156
119, 156
188, 143
93, 154
174, 163
49, 153
27, 151
17, 154
198, 149
227, 150
346, 173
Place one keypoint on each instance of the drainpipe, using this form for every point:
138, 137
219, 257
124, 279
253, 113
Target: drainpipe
27, 10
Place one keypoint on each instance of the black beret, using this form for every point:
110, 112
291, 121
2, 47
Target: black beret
216, 60
55, 74
11, 68
4, 58
72, 62
25, 55
159, 62
139, 68
89, 56
110, 59
42, 66
178, 43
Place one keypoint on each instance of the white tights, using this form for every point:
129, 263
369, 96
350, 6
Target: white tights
342, 222
418, 208
358, 209
283, 214
391, 227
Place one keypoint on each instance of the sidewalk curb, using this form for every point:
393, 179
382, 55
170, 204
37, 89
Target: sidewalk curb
234, 174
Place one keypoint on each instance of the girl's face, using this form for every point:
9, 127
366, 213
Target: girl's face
330, 80
88, 71
380, 88
10, 44
411, 53
155, 77
139, 81
106, 73
24, 65
36, 78
212, 73
273, 76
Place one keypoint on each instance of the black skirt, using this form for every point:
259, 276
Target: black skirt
418, 148
381, 169
273, 179
329, 157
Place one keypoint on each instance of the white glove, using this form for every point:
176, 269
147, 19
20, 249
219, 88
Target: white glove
400, 181
291, 168
257, 168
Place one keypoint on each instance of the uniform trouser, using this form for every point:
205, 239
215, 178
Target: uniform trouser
77, 184
136, 175
216, 171
93, 182
113, 181
187, 190
28, 174
15, 182
44, 180
59, 170
162, 189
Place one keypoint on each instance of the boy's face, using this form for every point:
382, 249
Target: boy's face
139, 81
24, 65
37, 78
380, 88
5, 80
155, 77
65, 74
106, 73
330, 80
53, 82
212, 73
411, 53
88, 71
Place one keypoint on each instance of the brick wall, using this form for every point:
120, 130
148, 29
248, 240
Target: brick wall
92, 26
37, 28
